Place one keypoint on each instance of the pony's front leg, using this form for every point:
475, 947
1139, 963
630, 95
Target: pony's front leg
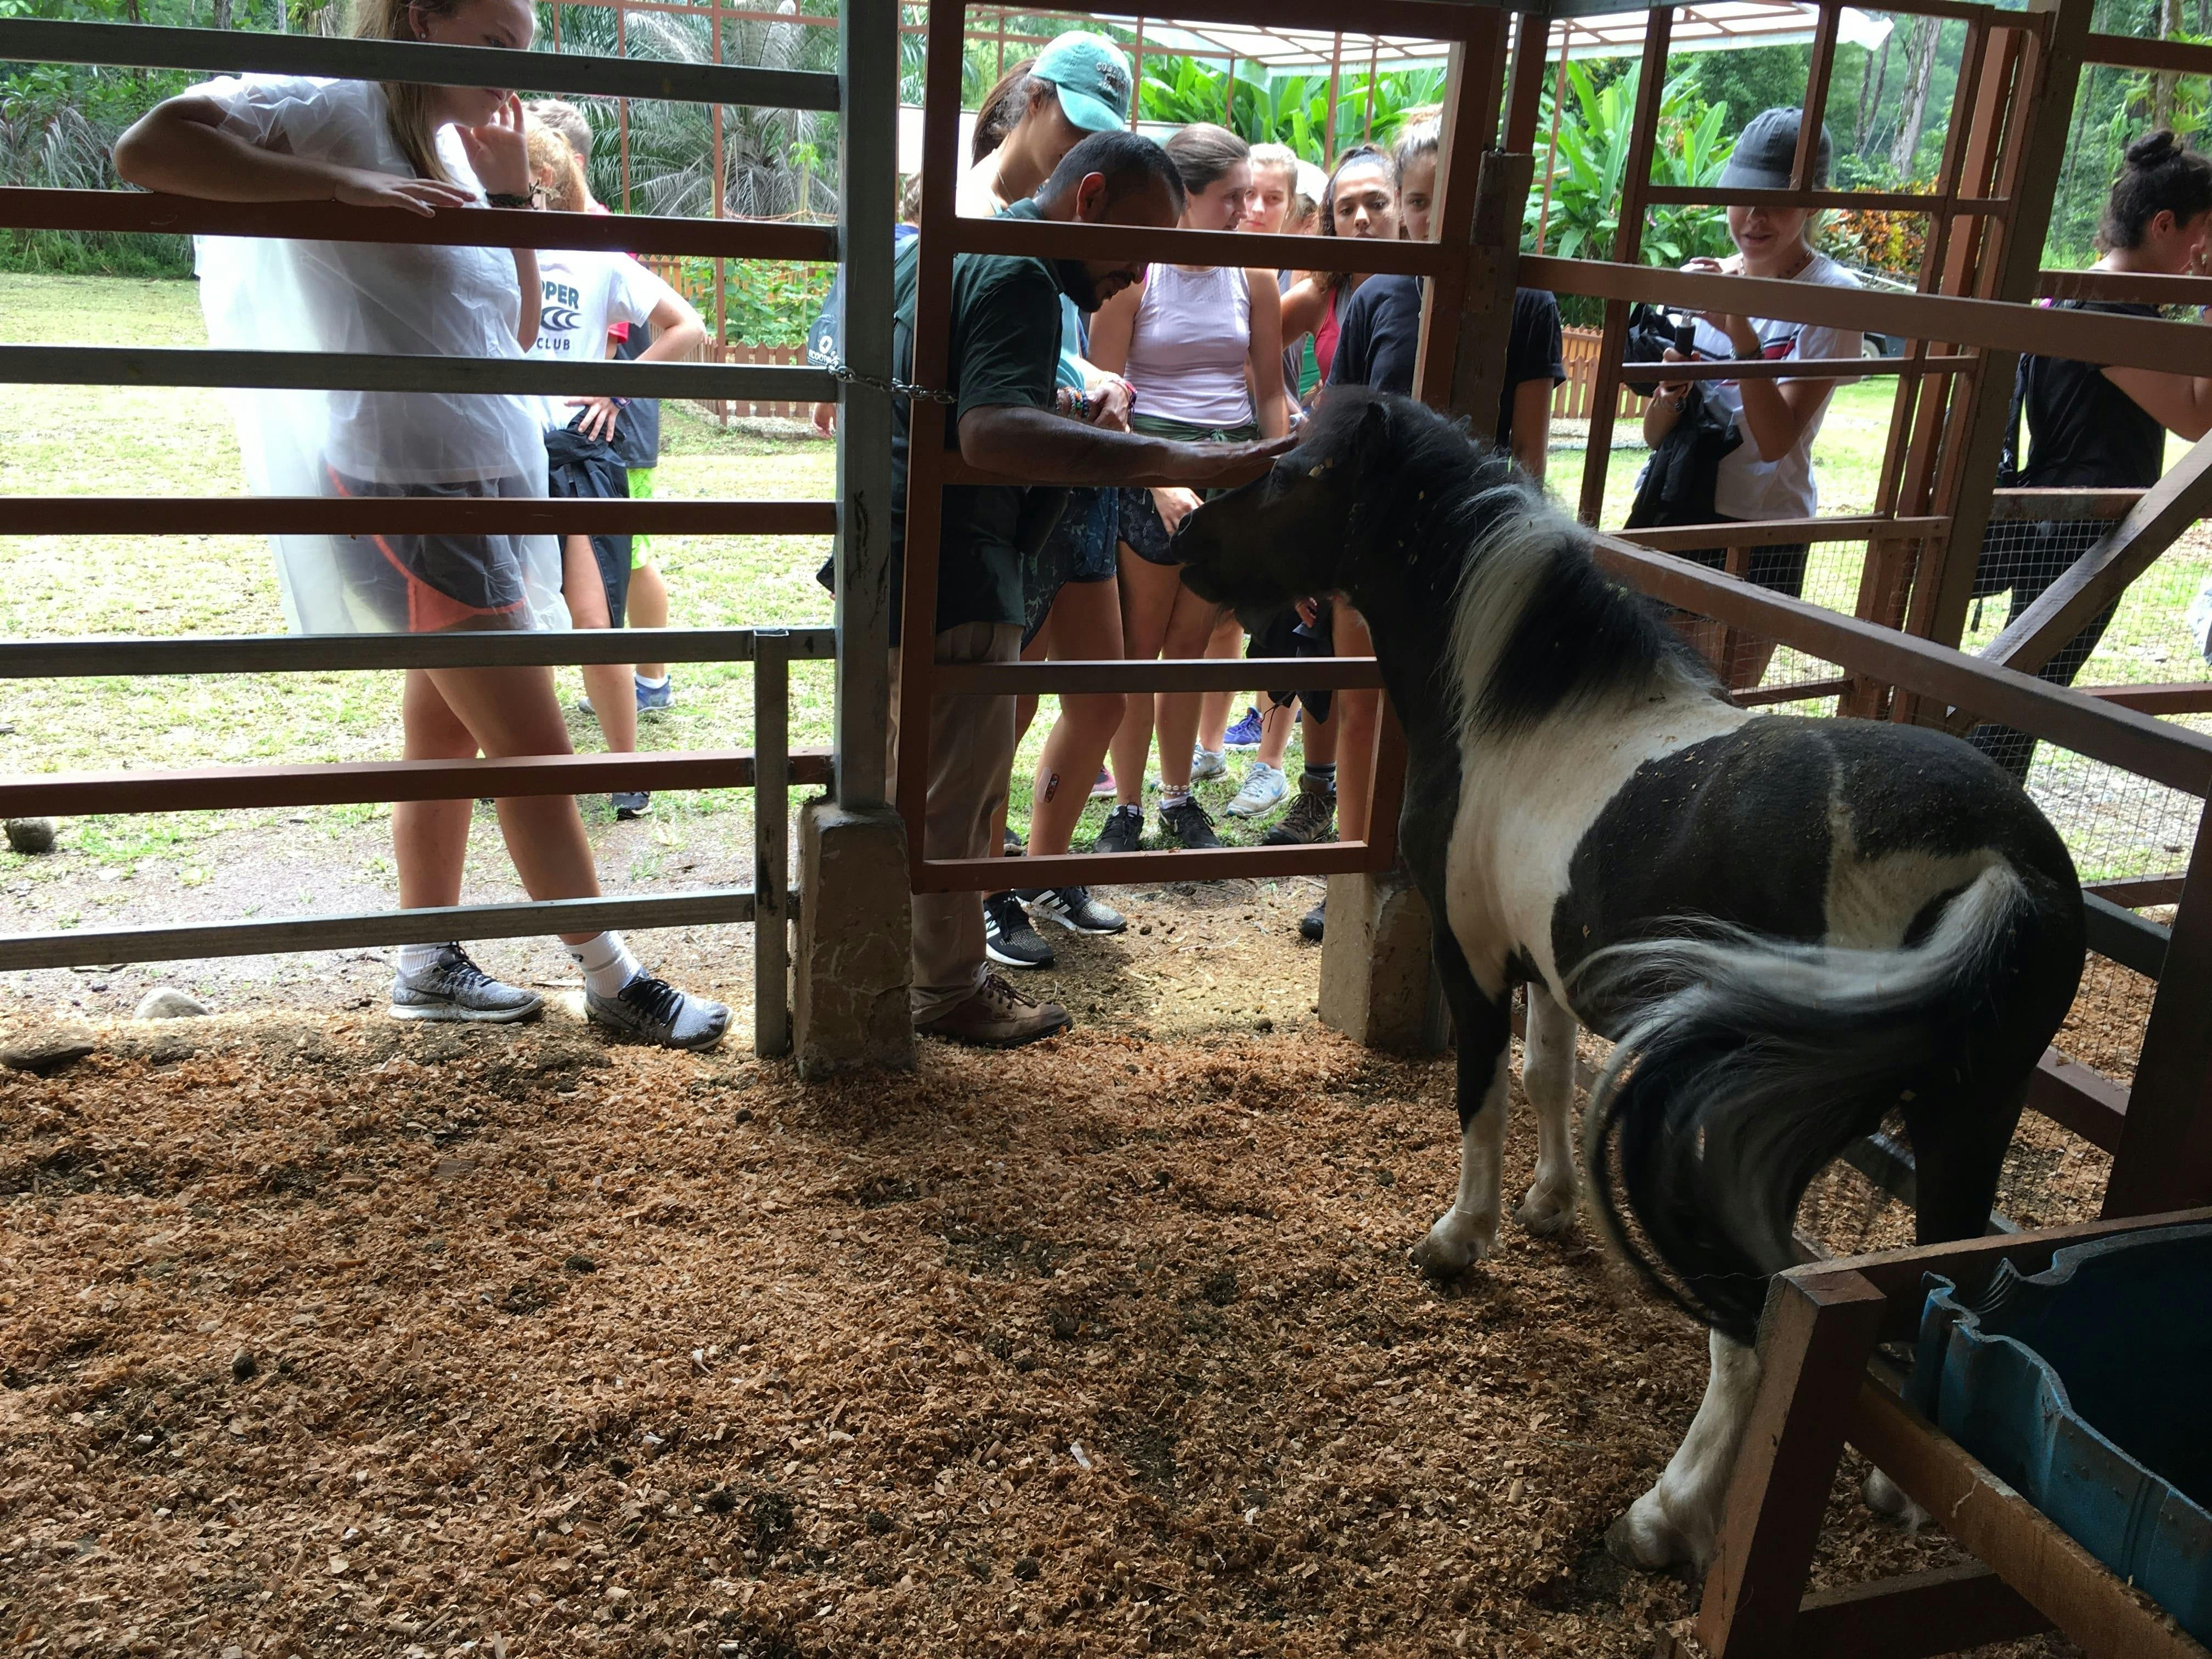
1680, 1518
1548, 1077
1467, 1231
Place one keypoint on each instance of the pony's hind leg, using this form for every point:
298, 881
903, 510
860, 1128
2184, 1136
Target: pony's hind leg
1548, 1077
1680, 1518
1467, 1231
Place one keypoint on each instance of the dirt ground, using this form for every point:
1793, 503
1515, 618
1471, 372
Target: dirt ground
321, 1334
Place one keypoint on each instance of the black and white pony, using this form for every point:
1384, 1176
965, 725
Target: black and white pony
1793, 928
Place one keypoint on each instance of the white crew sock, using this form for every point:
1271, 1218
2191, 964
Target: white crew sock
648, 683
414, 958
1173, 797
606, 961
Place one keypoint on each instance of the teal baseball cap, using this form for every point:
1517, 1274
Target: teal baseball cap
1092, 78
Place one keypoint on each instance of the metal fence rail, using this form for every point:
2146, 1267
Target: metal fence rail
225, 52
350, 371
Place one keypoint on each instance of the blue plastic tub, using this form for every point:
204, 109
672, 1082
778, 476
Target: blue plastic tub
2088, 1388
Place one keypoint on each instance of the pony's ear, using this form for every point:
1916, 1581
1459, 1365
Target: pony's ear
1375, 429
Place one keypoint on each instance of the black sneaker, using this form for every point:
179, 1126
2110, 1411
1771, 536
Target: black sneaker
1312, 818
1073, 909
1124, 831
1012, 845
1311, 924
630, 803
1008, 938
1191, 825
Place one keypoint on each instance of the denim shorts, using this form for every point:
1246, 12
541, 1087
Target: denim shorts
1079, 548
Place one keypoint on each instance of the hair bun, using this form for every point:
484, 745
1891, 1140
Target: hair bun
2160, 147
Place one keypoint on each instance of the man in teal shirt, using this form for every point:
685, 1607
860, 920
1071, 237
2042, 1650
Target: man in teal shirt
1001, 373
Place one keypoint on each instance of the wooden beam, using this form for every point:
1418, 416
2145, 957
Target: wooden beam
2138, 891
2119, 934
2078, 1098
2165, 1156
2193, 698
2168, 754
2061, 506
985, 875
1627, 248
1695, 537
2062, 1581
310, 654
1943, 1610
1814, 1339
2100, 576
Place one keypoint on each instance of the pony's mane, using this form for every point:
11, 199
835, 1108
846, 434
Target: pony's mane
1537, 626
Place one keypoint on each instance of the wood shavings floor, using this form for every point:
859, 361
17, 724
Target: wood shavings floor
328, 1335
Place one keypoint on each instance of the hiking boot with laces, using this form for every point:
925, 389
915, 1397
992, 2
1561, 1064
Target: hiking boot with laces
1312, 818
1190, 825
1124, 831
453, 988
1008, 938
997, 1016
656, 1011
1072, 907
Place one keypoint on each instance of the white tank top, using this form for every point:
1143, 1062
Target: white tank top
1190, 345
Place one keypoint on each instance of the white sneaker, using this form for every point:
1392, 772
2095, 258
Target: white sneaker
1208, 763
1264, 789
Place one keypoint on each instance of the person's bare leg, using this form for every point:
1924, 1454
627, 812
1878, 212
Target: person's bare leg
1356, 715
1190, 627
430, 838
1276, 725
1148, 598
1085, 625
614, 704
1228, 640
646, 606
1321, 734
513, 712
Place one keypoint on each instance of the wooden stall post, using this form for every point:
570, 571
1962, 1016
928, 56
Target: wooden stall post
853, 962
1627, 245
1814, 1340
2165, 1156
2040, 113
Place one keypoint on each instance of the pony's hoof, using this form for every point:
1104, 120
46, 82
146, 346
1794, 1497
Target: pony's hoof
1646, 1540
1548, 1212
1454, 1244
1886, 1498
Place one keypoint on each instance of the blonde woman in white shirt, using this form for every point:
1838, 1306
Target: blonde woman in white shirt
420, 149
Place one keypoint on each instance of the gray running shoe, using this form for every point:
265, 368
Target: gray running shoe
656, 1011
453, 988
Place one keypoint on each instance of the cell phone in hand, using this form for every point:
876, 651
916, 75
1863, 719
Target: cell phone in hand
1686, 336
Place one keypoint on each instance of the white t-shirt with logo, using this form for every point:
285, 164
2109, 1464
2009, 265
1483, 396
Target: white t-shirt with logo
586, 293
1745, 486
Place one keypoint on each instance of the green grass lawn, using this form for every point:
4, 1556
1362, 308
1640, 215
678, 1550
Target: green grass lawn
159, 440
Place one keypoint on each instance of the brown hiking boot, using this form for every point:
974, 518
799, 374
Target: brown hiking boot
1312, 818
998, 1017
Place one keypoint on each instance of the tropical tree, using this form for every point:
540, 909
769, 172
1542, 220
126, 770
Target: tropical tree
776, 163
1591, 167
1285, 109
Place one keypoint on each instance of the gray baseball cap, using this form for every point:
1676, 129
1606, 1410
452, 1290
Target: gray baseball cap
1766, 150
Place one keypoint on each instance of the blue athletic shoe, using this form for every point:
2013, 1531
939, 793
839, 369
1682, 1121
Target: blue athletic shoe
1245, 734
652, 699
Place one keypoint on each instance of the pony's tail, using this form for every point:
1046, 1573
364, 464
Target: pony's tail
1750, 1063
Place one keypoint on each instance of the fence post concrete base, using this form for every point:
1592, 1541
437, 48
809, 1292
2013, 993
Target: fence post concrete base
1376, 965
853, 968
